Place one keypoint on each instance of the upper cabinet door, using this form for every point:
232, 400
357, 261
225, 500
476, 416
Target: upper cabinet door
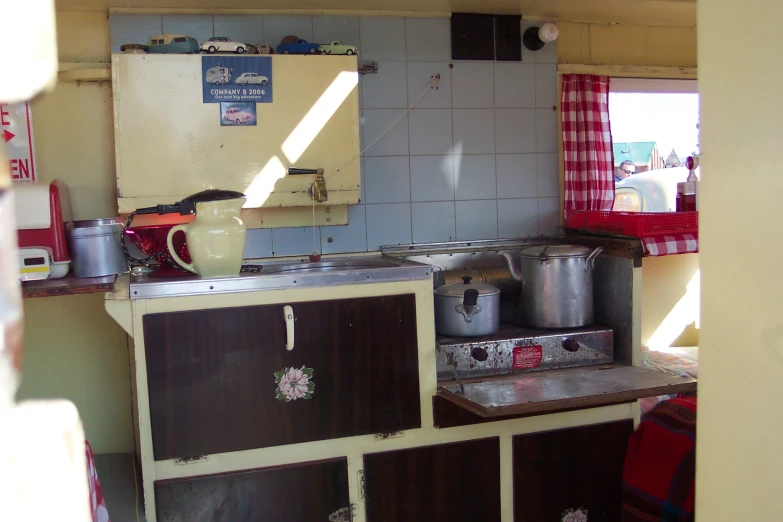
223, 380
170, 144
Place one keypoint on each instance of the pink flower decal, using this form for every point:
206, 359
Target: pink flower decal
574, 515
294, 383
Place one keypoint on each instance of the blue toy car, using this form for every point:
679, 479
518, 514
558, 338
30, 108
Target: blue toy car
299, 46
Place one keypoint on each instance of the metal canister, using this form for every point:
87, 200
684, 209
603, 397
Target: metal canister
467, 309
96, 247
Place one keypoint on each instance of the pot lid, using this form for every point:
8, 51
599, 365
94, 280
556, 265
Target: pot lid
556, 251
458, 289
97, 227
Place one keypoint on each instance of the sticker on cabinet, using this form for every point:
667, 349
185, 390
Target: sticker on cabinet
294, 383
574, 515
235, 114
528, 357
236, 79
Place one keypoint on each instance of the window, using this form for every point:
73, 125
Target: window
654, 129
180, 40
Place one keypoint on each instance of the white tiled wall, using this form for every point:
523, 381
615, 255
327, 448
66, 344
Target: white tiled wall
475, 158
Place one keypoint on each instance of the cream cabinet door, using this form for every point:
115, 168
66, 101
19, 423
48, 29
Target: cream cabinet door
169, 144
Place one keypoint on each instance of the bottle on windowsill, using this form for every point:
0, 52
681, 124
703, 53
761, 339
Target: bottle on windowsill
688, 192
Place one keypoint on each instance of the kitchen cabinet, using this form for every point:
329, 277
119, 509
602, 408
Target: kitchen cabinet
170, 144
312, 491
212, 374
445, 483
570, 469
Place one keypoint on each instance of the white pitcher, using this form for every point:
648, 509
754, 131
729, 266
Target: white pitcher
216, 239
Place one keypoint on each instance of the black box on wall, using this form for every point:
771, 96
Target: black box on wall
486, 37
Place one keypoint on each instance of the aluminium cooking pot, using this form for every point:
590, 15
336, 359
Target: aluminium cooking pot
557, 285
467, 309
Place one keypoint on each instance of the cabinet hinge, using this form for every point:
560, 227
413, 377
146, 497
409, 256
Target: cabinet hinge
191, 460
362, 491
390, 435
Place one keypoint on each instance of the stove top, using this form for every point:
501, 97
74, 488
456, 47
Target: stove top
518, 350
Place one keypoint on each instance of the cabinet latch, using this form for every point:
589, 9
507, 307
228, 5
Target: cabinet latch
362, 491
191, 460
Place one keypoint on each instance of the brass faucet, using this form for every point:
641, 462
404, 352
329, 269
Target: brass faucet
317, 190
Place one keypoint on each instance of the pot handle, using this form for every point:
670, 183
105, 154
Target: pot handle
590, 261
173, 251
470, 297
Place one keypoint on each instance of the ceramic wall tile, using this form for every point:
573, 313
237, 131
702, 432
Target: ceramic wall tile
428, 39
477, 220
546, 130
515, 85
388, 89
419, 80
346, 238
432, 178
472, 85
382, 38
549, 216
433, 222
546, 86
548, 167
277, 27
296, 241
517, 218
130, 29
392, 143
474, 176
474, 131
517, 176
259, 243
199, 27
430, 132
241, 28
326, 29
387, 179
388, 224
515, 131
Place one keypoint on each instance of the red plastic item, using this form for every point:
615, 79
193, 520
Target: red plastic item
53, 237
635, 224
151, 240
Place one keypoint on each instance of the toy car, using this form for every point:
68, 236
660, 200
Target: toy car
237, 115
218, 75
172, 44
265, 49
251, 77
223, 44
298, 46
337, 47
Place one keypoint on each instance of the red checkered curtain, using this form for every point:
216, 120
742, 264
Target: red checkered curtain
587, 143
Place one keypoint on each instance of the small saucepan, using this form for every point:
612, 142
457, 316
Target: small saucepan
467, 309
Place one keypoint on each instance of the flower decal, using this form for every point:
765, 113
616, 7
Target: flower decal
574, 515
294, 383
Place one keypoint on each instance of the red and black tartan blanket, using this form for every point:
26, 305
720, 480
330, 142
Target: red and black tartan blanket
659, 476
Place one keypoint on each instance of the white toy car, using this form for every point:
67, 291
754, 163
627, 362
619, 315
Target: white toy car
251, 77
223, 45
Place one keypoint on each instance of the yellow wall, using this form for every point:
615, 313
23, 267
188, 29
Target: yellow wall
739, 458
668, 310
605, 44
72, 348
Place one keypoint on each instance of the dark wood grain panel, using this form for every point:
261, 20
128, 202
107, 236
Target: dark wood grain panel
68, 285
570, 469
554, 390
472, 36
300, 493
212, 385
508, 38
446, 483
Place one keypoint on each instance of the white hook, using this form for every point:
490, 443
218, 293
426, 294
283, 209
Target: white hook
288, 315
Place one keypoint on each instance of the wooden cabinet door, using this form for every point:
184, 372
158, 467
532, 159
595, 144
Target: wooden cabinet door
211, 374
298, 493
447, 483
571, 469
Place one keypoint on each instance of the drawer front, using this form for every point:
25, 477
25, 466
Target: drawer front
216, 377
446, 483
570, 469
297, 493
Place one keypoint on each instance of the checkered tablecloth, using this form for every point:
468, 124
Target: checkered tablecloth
97, 503
669, 245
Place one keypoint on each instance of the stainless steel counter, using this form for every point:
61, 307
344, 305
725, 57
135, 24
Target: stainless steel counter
279, 275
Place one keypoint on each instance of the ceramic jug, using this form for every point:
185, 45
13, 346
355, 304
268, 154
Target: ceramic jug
216, 239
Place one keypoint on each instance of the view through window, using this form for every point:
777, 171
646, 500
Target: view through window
654, 130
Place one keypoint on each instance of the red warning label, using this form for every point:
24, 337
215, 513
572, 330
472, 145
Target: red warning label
528, 357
